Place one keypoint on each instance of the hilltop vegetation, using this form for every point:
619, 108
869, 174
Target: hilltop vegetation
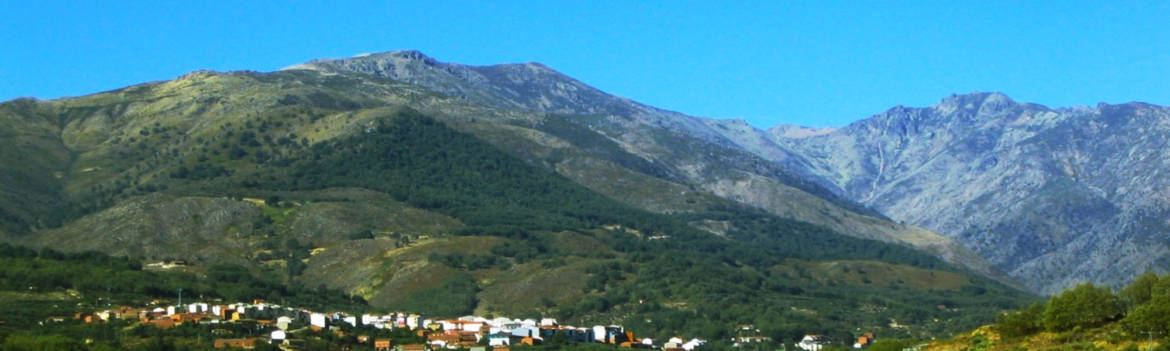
1085, 317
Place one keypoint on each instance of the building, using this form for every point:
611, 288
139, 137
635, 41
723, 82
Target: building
283, 322
499, 339
864, 341
412, 347
812, 342
317, 321
383, 344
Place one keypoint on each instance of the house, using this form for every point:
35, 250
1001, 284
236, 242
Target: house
152, 314
414, 321
127, 312
278, 336
449, 339
599, 333
412, 347
582, 335
282, 322
499, 339
383, 344
466, 337
317, 321
363, 338
525, 331
181, 318
812, 342
248, 343
864, 340
693, 344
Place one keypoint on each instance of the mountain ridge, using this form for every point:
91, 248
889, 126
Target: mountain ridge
409, 199
982, 153
637, 129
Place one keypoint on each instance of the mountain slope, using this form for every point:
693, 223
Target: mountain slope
586, 127
414, 198
1053, 197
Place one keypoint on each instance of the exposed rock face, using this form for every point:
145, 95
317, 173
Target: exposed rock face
1052, 196
530, 86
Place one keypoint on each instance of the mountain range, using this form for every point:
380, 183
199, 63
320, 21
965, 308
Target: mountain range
1051, 197
514, 188
1054, 197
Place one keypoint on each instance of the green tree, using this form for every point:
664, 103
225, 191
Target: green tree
1085, 306
1026, 321
1154, 315
1140, 291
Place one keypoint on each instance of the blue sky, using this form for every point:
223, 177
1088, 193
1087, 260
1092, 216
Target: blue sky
818, 63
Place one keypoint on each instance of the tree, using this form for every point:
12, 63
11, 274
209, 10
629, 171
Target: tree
1084, 306
1026, 321
1154, 316
1140, 291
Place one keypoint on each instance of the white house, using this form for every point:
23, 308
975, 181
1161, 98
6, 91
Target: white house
599, 333
548, 322
278, 336
317, 320
282, 322
414, 321
499, 322
499, 339
526, 331
693, 344
812, 343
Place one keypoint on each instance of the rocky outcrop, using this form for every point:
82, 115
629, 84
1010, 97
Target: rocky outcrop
1052, 196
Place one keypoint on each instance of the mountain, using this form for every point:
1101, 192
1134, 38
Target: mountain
684, 151
448, 189
1052, 196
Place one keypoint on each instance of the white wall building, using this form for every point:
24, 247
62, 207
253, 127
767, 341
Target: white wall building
317, 320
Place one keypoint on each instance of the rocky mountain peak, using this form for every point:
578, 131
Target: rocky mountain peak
531, 86
792, 131
978, 103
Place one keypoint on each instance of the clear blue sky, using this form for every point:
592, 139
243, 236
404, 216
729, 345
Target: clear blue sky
816, 63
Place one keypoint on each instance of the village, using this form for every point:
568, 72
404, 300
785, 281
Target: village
283, 327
